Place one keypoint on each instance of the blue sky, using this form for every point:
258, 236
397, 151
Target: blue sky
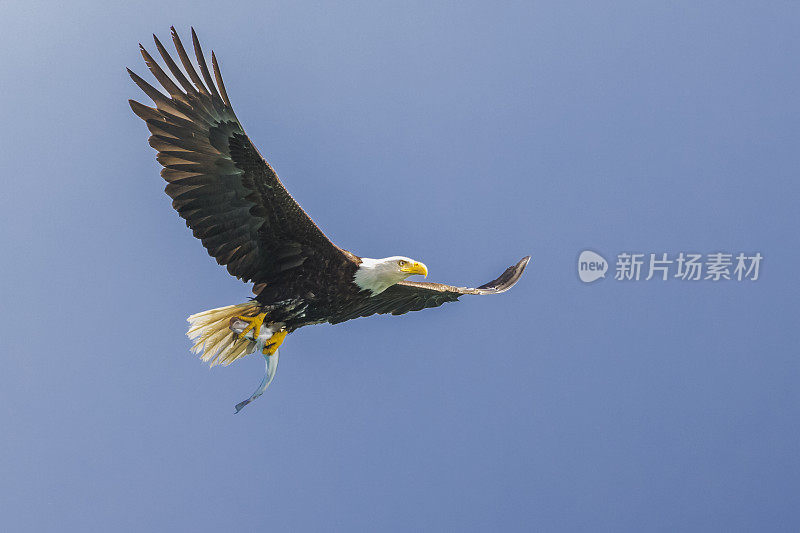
464, 135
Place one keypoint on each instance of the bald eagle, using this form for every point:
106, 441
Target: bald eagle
233, 201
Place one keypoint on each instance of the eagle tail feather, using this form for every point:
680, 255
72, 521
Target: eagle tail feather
213, 338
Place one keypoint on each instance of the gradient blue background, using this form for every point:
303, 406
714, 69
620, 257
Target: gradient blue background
464, 135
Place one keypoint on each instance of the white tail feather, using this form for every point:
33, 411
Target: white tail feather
210, 331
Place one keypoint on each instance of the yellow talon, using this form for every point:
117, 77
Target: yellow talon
254, 323
275, 342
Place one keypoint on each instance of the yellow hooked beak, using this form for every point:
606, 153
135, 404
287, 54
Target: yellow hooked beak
415, 268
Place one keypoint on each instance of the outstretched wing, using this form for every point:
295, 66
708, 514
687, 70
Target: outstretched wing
415, 295
228, 194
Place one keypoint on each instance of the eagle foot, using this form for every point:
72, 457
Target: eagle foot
274, 342
254, 323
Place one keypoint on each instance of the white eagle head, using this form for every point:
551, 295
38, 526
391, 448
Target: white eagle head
377, 275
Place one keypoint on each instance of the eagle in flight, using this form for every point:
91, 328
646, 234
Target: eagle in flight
233, 201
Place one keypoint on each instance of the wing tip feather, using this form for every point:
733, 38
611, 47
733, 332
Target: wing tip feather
507, 279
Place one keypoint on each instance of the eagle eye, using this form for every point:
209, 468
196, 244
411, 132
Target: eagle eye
402, 263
